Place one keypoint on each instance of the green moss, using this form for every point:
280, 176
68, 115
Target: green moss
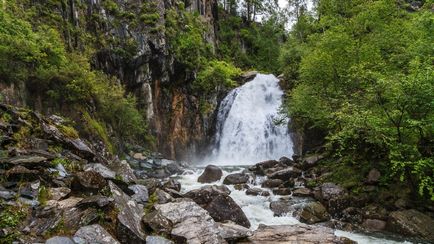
43, 195
6, 118
97, 128
12, 217
153, 199
21, 136
68, 131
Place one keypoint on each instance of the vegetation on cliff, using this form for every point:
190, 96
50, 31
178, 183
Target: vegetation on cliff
363, 73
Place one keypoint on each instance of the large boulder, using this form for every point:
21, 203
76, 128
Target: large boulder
254, 191
216, 200
285, 174
313, 212
329, 191
235, 179
411, 222
185, 221
89, 180
212, 173
93, 234
233, 232
374, 224
272, 183
101, 169
129, 229
261, 167
141, 194
295, 234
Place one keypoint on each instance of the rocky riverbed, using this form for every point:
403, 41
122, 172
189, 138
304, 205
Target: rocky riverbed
56, 187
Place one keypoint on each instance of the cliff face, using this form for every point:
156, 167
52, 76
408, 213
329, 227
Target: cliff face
129, 42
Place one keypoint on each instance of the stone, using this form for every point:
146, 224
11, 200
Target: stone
157, 240
7, 195
411, 222
249, 75
211, 174
374, 224
21, 172
101, 169
68, 203
313, 212
310, 161
129, 229
233, 232
89, 180
272, 183
261, 167
375, 212
373, 176
302, 192
254, 191
241, 187
285, 174
97, 201
163, 197
237, 178
93, 234
286, 161
172, 184
27, 160
59, 240
282, 191
219, 204
124, 171
58, 193
352, 215
330, 190
185, 221
141, 194
139, 156
281, 207
295, 234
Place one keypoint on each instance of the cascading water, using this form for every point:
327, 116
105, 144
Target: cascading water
249, 126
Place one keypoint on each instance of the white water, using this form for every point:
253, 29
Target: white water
249, 127
247, 134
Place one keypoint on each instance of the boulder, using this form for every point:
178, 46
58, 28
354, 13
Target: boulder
58, 193
373, 176
124, 171
212, 173
101, 169
59, 240
129, 229
185, 221
352, 215
313, 212
97, 201
284, 206
302, 192
172, 184
219, 204
89, 180
329, 191
141, 194
237, 178
257, 192
282, 191
233, 232
93, 234
157, 240
411, 222
295, 234
163, 197
310, 161
374, 224
260, 168
271, 183
286, 161
285, 174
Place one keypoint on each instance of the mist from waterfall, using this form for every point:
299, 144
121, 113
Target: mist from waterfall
249, 126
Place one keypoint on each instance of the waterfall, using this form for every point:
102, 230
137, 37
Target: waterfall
249, 126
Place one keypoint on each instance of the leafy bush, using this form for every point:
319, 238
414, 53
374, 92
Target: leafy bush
216, 75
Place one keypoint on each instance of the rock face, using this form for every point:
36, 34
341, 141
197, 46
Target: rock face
185, 221
295, 234
219, 204
235, 179
93, 234
411, 222
212, 173
312, 213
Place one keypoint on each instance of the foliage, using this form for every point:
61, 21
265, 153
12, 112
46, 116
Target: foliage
363, 72
216, 75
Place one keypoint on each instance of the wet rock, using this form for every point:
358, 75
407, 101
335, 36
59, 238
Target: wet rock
241, 187
373, 176
411, 222
219, 204
285, 174
93, 234
89, 180
329, 191
261, 167
249, 75
129, 228
212, 173
157, 240
237, 178
374, 224
272, 183
141, 194
282, 191
185, 221
101, 169
257, 192
58, 193
172, 184
286, 161
312, 213
295, 234
59, 240
310, 161
233, 232
302, 192
352, 215
281, 207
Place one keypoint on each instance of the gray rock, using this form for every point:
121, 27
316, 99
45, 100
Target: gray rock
374, 224
96, 201
261, 167
257, 192
295, 234
285, 174
27, 160
373, 176
129, 217
310, 161
163, 197
411, 222
58, 193
237, 178
302, 192
172, 184
233, 232
185, 221
93, 234
7, 195
312, 213
59, 240
282, 191
89, 180
272, 183
101, 169
212, 173
141, 194
123, 169
157, 240
330, 190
